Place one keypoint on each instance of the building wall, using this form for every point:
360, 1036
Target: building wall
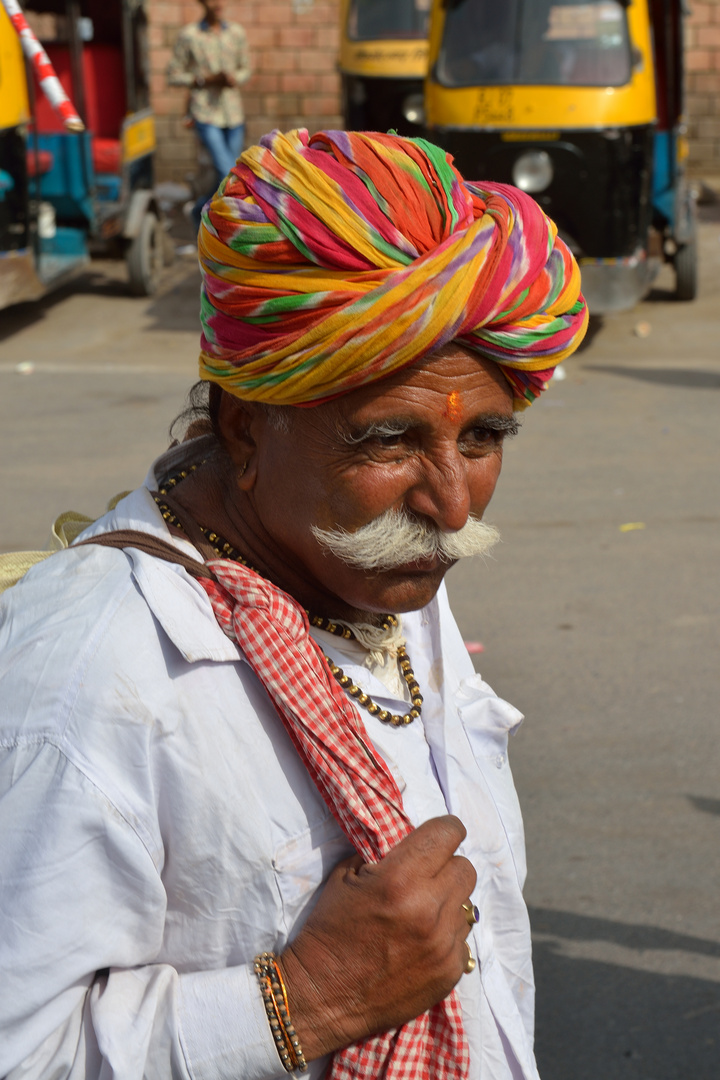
294, 47
702, 57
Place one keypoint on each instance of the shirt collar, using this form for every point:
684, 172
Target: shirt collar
205, 25
178, 601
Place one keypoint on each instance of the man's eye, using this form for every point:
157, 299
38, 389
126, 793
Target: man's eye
485, 434
389, 440
483, 438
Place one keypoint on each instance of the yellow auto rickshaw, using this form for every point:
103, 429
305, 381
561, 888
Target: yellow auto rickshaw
63, 193
580, 104
383, 62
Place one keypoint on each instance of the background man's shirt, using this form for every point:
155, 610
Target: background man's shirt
199, 51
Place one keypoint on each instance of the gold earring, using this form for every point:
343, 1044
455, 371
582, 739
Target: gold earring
242, 471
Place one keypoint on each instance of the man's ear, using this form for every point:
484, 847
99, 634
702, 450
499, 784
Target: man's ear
236, 422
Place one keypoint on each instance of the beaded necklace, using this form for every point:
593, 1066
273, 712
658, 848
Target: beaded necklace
225, 550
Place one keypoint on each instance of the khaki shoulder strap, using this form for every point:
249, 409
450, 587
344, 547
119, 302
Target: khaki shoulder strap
152, 545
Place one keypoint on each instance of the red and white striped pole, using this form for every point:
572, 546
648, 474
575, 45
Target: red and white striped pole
49, 82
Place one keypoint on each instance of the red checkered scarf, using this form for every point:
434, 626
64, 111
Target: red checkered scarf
273, 632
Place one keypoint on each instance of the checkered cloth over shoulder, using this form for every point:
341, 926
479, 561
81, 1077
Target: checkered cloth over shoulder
274, 633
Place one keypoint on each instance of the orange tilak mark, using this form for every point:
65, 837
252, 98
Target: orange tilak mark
453, 410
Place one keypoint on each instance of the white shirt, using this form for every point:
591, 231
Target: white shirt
157, 829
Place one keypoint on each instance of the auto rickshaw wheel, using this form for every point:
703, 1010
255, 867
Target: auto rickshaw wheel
145, 257
685, 261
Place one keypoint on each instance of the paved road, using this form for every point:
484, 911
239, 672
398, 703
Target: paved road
607, 638
605, 635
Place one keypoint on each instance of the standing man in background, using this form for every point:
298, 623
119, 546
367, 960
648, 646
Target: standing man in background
211, 59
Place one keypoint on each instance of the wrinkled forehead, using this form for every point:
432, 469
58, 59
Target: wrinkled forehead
457, 357
464, 382
453, 383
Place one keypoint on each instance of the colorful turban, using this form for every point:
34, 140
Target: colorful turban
330, 262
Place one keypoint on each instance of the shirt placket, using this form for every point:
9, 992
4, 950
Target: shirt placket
227, 63
207, 64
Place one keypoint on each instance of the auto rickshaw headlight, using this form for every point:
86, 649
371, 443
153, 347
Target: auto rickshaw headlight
413, 109
533, 172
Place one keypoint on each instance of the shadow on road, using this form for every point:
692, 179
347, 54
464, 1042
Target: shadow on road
175, 306
689, 378
658, 295
573, 927
601, 1021
707, 806
595, 325
710, 211
90, 283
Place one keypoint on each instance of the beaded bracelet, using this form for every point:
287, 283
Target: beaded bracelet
272, 987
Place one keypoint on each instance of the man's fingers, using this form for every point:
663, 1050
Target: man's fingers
466, 875
429, 847
424, 856
353, 862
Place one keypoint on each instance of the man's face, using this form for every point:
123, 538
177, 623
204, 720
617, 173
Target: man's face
427, 440
214, 9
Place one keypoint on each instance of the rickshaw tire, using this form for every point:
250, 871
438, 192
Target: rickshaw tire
145, 257
686, 271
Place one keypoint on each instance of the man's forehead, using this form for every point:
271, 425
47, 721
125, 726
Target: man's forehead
453, 350
450, 372
436, 389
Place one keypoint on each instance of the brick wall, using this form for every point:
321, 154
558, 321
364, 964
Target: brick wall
702, 56
294, 45
295, 84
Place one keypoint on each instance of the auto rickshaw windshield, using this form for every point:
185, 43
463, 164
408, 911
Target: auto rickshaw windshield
536, 43
375, 20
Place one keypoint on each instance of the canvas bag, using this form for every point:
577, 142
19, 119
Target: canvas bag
63, 532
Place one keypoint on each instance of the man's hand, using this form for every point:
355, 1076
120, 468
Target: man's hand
218, 78
385, 942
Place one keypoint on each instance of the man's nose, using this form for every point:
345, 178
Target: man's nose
442, 493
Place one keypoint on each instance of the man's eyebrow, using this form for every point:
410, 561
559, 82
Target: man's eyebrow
509, 425
353, 434
392, 425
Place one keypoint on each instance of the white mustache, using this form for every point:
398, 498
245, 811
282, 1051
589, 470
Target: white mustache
396, 538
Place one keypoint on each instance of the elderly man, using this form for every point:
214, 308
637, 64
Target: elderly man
256, 809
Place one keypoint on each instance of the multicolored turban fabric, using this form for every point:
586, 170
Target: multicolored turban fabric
330, 262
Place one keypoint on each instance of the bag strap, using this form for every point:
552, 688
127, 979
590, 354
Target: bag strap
161, 549
151, 545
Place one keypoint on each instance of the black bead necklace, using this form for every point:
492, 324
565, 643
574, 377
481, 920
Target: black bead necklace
225, 550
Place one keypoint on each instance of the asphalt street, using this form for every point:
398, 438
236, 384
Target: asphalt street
598, 616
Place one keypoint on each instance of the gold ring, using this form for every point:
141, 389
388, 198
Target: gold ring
471, 913
471, 962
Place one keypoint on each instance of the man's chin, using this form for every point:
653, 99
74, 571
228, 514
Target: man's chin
432, 565
354, 595
404, 588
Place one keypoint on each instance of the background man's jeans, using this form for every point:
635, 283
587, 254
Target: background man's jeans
224, 146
